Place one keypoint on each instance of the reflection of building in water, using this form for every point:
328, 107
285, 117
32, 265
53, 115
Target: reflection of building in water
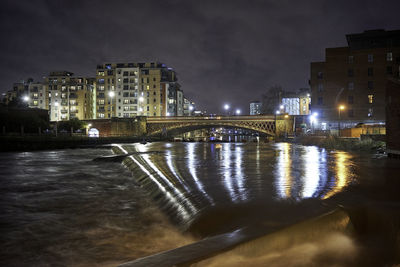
314, 162
284, 175
341, 172
305, 174
221, 134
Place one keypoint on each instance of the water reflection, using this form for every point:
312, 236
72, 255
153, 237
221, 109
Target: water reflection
233, 172
192, 163
342, 173
314, 164
304, 172
283, 171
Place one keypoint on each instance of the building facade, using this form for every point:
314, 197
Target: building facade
296, 103
127, 90
354, 78
70, 97
255, 108
37, 96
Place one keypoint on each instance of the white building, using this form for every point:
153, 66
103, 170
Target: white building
255, 108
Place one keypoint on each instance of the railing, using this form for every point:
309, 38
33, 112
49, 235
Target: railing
207, 118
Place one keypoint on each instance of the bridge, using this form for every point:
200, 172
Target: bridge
151, 126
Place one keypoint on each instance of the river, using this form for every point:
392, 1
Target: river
62, 208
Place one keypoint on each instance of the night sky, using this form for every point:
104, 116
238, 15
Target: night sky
223, 51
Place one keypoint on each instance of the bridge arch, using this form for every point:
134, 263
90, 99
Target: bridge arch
165, 125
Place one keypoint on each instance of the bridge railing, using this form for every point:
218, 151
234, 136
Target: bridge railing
206, 118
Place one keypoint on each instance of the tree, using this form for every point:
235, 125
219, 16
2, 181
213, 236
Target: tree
271, 99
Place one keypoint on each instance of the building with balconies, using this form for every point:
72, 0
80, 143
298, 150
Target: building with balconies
70, 97
137, 89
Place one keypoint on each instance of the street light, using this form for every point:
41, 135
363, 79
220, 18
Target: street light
226, 107
341, 107
25, 98
238, 111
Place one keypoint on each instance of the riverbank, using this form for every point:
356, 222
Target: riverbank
347, 144
34, 143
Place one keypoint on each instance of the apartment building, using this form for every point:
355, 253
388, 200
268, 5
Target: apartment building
37, 96
296, 103
70, 97
349, 86
127, 90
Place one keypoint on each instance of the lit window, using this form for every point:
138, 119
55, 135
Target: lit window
389, 56
148, 87
35, 103
370, 58
370, 99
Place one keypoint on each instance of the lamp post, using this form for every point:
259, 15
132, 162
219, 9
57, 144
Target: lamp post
341, 107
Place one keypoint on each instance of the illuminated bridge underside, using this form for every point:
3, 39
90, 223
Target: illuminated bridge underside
163, 125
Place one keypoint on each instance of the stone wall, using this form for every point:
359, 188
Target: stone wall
120, 127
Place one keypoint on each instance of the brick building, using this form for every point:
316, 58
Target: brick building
393, 117
355, 78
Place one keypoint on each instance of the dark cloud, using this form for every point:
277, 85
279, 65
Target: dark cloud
223, 51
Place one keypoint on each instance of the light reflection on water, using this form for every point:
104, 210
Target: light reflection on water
310, 178
240, 173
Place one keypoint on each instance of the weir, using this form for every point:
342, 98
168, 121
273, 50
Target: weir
260, 232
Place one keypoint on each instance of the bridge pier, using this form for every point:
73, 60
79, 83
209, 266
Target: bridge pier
283, 125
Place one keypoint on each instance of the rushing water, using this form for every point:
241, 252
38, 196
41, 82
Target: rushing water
61, 208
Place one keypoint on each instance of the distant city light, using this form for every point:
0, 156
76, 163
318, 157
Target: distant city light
277, 112
226, 106
315, 114
26, 98
168, 114
282, 107
140, 109
111, 94
191, 107
56, 104
238, 111
141, 99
